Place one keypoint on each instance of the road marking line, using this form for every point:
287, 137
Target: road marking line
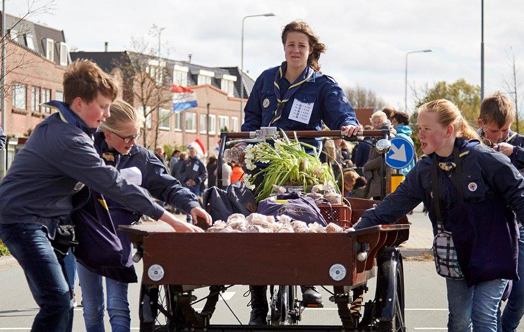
430, 328
227, 296
426, 309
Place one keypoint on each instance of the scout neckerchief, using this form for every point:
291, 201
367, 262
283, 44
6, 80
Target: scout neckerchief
435, 184
281, 102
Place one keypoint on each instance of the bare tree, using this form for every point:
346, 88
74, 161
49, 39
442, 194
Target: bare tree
513, 85
362, 97
16, 58
146, 85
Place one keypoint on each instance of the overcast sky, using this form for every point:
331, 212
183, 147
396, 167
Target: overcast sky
367, 40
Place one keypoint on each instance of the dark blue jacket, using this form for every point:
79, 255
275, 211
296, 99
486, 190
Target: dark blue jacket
146, 170
2, 139
517, 157
331, 105
57, 160
193, 169
488, 180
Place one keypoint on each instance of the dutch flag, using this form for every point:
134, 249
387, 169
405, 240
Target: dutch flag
183, 98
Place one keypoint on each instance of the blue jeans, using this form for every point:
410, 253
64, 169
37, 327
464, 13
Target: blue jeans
475, 306
93, 302
514, 309
29, 244
70, 268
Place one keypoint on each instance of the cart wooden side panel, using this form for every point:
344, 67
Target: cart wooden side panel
258, 258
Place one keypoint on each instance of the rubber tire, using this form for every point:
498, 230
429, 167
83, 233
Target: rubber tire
398, 321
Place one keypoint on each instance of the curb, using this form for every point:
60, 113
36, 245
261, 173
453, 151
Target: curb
415, 252
7, 261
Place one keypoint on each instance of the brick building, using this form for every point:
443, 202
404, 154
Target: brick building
36, 57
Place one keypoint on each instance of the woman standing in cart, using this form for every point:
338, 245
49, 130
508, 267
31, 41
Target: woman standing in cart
470, 192
115, 141
297, 96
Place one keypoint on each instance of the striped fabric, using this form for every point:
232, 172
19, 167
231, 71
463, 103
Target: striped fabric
445, 255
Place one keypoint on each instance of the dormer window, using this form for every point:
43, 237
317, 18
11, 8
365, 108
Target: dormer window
63, 54
204, 76
180, 75
50, 49
29, 41
227, 83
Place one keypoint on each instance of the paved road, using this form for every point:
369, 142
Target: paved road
425, 302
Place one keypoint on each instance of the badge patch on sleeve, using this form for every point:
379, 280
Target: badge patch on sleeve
265, 103
472, 186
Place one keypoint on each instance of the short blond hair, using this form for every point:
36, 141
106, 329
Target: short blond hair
121, 114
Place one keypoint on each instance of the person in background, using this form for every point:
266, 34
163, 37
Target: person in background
226, 175
193, 172
360, 154
359, 188
237, 173
115, 142
389, 111
471, 192
172, 161
2, 139
400, 121
372, 167
175, 170
350, 178
159, 152
211, 171
496, 117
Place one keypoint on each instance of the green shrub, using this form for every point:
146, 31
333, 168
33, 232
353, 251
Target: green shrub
3, 250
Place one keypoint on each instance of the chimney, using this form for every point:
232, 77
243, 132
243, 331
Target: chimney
189, 56
105, 46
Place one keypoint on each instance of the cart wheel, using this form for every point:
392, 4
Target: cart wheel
285, 309
156, 308
397, 322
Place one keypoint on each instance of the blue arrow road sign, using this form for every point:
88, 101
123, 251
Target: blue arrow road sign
400, 154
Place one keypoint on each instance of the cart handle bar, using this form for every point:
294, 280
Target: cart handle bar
312, 133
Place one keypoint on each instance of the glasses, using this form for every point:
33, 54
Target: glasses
129, 139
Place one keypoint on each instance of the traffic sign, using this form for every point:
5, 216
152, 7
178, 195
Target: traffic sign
400, 154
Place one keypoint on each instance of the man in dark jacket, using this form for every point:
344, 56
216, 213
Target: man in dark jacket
193, 172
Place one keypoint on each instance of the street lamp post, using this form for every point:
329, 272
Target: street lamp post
242, 62
406, 77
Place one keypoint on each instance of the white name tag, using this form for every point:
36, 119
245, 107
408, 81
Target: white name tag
132, 175
301, 112
195, 167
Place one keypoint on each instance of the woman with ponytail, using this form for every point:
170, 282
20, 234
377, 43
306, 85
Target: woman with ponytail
296, 95
470, 192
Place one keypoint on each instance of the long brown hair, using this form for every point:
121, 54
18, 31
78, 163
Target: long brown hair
314, 42
449, 114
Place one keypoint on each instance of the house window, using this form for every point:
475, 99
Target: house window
46, 97
59, 96
146, 115
35, 99
63, 54
178, 121
50, 49
191, 122
203, 123
223, 123
228, 86
234, 123
180, 75
165, 118
155, 69
29, 41
212, 124
19, 96
204, 79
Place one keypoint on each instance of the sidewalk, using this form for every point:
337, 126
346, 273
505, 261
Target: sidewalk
420, 234
7, 261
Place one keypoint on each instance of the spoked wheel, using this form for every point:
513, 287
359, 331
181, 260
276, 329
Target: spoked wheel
156, 309
285, 309
392, 270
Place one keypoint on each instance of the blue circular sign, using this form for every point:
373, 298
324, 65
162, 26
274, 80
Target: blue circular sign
401, 153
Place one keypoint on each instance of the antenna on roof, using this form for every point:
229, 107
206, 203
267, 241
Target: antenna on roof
189, 56
106, 44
